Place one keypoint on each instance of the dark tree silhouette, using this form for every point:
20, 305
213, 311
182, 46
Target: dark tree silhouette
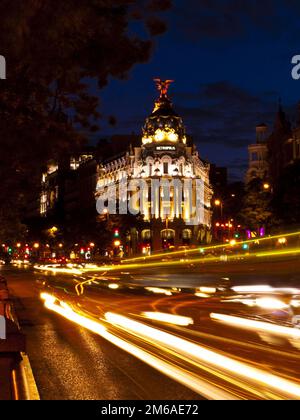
52, 49
256, 211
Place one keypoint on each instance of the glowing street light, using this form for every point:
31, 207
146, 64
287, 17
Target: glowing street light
36, 245
218, 203
266, 186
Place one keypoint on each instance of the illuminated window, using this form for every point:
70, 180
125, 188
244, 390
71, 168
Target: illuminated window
146, 235
43, 204
187, 236
168, 234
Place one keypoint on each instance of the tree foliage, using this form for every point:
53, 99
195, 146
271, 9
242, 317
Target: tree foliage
53, 49
256, 211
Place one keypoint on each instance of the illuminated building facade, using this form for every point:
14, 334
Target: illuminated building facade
163, 155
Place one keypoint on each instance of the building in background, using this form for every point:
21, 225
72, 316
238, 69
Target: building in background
163, 154
280, 147
219, 180
259, 156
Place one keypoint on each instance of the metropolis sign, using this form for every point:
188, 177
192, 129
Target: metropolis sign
165, 148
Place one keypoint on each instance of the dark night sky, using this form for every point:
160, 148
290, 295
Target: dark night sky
231, 61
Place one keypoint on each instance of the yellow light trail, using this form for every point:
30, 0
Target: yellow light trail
273, 254
211, 247
256, 325
291, 251
182, 347
174, 372
278, 253
201, 354
54, 269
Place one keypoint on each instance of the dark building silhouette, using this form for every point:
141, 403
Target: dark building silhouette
280, 147
219, 180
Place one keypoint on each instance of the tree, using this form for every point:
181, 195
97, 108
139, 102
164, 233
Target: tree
256, 211
53, 49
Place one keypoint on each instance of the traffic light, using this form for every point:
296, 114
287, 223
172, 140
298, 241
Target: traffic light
116, 233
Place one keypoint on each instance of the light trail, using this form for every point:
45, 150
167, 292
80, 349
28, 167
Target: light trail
53, 269
253, 289
256, 325
66, 311
168, 318
174, 372
186, 350
202, 260
159, 291
278, 253
203, 355
210, 247
271, 303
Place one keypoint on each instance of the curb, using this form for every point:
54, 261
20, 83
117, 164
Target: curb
24, 385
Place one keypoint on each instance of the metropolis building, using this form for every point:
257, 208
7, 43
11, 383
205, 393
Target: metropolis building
163, 156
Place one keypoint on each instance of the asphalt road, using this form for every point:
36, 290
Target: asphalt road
70, 362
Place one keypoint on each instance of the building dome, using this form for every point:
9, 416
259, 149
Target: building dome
164, 125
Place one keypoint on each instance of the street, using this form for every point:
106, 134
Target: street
166, 336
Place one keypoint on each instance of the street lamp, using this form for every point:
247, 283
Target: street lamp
266, 186
218, 203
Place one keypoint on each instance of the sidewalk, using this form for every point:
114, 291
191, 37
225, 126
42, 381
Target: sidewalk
16, 379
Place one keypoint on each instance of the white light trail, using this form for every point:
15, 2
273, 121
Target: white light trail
256, 325
168, 318
203, 355
174, 372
